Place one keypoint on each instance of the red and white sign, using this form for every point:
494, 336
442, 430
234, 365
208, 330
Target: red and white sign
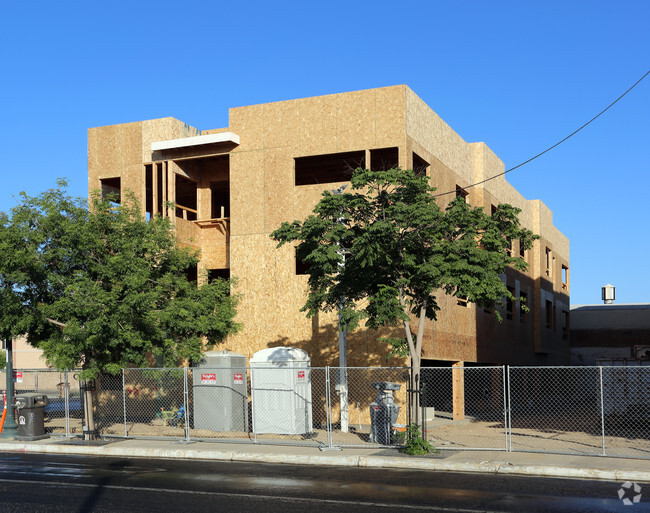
18, 376
238, 378
208, 379
302, 377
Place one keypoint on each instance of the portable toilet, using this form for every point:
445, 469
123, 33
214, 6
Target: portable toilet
281, 391
221, 392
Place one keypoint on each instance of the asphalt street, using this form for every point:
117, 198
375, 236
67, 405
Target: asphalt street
49, 483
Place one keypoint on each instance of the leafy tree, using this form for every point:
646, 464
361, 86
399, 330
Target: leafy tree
401, 250
103, 288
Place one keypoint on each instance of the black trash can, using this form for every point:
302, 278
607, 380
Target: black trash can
30, 416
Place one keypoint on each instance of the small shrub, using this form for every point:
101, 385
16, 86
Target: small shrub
414, 444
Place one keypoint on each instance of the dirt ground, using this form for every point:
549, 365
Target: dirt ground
444, 435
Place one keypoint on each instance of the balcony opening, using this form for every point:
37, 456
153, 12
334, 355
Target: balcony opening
186, 198
111, 190
330, 168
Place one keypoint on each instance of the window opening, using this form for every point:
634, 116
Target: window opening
565, 277
220, 199
523, 315
148, 191
301, 266
461, 193
223, 274
548, 262
510, 304
549, 314
330, 168
192, 273
565, 325
214, 274
383, 159
111, 190
185, 198
420, 166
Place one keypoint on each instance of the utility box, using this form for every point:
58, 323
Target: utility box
383, 413
220, 389
30, 409
281, 391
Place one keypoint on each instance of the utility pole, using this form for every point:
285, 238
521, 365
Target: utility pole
10, 429
342, 381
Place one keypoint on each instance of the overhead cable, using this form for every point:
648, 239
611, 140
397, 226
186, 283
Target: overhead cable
551, 147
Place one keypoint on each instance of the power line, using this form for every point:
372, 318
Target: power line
551, 147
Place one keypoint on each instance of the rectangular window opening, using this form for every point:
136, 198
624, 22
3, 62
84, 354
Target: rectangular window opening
565, 277
330, 168
565, 325
549, 314
148, 191
420, 166
186, 203
383, 159
461, 193
111, 190
219, 274
192, 273
301, 266
523, 315
548, 262
510, 305
220, 192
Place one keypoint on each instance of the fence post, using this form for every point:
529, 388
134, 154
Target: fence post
328, 406
124, 402
186, 404
66, 404
505, 405
602, 410
509, 423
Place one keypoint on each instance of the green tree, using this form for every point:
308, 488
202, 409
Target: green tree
102, 287
400, 250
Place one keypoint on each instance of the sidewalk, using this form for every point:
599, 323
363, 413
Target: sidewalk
514, 463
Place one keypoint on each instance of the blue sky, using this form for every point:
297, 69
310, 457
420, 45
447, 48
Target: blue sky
517, 75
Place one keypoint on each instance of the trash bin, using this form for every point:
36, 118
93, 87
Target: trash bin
383, 412
30, 410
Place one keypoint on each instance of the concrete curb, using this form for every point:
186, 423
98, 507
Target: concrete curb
330, 459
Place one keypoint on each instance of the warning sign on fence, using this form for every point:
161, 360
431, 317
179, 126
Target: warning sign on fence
302, 377
208, 379
18, 376
238, 378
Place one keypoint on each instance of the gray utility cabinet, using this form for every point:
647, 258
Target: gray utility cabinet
281, 391
221, 392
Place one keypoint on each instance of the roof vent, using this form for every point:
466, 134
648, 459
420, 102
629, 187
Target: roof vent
609, 294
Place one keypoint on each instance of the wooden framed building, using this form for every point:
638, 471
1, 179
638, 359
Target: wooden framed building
233, 186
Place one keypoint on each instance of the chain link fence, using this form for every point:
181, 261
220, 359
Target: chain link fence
464, 407
602, 410
64, 413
